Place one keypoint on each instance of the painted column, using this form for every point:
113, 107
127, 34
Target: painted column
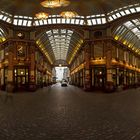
32, 67
87, 78
2, 69
136, 77
79, 79
125, 55
125, 77
83, 77
108, 61
2, 76
125, 58
117, 76
117, 53
10, 84
92, 77
32, 85
109, 86
109, 57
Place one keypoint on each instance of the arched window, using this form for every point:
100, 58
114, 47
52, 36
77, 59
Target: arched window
2, 35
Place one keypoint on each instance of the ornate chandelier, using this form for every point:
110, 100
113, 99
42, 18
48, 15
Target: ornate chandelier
68, 14
42, 15
55, 3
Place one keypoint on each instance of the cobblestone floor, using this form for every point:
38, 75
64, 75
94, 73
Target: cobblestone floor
68, 113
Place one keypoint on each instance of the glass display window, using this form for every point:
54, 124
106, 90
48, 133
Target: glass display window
21, 77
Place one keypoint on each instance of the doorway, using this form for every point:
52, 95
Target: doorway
99, 78
21, 78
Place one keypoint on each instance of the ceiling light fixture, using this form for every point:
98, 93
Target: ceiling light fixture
42, 15
55, 3
68, 14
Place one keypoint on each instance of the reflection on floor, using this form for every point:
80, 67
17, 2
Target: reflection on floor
68, 113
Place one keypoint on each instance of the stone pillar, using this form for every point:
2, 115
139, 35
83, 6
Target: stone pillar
117, 76
109, 56
108, 61
32, 84
2, 86
125, 54
2, 76
109, 86
74, 82
87, 78
125, 77
92, 77
83, 76
136, 77
117, 52
32, 68
79, 79
109, 75
10, 84
2, 69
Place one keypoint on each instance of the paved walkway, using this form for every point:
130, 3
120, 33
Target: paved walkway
68, 113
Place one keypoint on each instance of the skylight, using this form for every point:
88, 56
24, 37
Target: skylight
60, 40
2, 35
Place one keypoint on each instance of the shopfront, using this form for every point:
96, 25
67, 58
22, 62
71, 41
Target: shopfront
21, 78
98, 77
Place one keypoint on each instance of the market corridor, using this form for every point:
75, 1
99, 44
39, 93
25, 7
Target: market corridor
69, 113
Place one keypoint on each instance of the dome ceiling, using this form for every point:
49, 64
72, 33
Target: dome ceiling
82, 7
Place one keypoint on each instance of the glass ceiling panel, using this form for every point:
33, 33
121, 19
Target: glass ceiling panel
134, 26
60, 41
60, 44
2, 35
129, 34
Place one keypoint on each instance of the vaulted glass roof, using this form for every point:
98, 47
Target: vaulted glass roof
134, 26
129, 34
60, 44
59, 40
2, 35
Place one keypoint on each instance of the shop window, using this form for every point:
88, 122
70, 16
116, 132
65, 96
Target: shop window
121, 77
114, 76
21, 77
99, 77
